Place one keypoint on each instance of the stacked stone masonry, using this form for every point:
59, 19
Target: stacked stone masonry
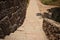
51, 29
51, 23
12, 15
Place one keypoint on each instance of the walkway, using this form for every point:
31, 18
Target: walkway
32, 27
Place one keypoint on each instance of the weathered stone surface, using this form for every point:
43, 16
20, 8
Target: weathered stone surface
51, 23
12, 15
1, 33
51, 29
56, 14
5, 24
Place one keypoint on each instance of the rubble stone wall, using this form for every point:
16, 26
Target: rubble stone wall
51, 29
12, 15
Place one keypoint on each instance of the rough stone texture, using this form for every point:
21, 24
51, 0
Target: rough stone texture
12, 15
51, 23
51, 29
55, 13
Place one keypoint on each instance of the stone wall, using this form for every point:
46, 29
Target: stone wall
51, 29
12, 15
54, 13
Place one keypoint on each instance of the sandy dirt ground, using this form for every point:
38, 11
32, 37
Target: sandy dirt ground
32, 28
43, 8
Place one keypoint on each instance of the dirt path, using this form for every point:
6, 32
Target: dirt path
32, 27
43, 8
